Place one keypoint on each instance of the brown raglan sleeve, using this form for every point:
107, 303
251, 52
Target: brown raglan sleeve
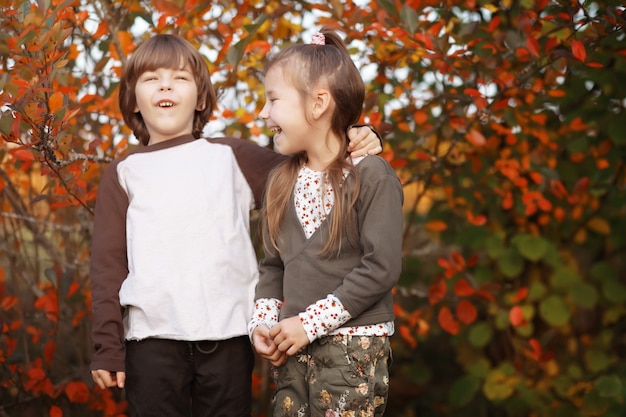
380, 223
108, 269
255, 162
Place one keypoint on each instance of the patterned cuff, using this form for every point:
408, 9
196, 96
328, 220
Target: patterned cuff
265, 313
323, 317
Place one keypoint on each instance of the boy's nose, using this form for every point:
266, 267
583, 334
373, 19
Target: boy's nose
166, 84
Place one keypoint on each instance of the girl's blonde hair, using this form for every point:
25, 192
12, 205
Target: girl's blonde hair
307, 65
172, 52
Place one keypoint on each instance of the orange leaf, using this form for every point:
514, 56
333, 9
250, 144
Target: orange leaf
446, 321
466, 312
475, 138
77, 392
126, 41
55, 102
578, 50
516, 316
437, 291
436, 226
462, 288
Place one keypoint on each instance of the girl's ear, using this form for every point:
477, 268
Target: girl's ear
321, 102
200, 106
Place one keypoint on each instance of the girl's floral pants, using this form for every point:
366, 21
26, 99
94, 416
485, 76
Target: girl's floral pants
335, 376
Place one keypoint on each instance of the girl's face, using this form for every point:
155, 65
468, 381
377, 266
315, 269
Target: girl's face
284, 113
167, 100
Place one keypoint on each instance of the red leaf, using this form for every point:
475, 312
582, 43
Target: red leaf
578, 50
486, 295
516, 316
443, 262
475, 138
519, 295
462, 288
48, 351
479, 220
466, 312
532, 45
49, 303
55, 411
447, 322
437, 291
24, 155
77, 392
535, 351
405, 332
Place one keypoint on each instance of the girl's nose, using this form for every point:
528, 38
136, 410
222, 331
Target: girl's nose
264, 113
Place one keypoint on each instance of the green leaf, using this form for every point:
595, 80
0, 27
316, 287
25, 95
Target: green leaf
596, 360
554, 311
480, 334
614, 291
410, 17
603, 271
494, 246
511, 263
531, 247
479, 368
608, 385
565, 278
536, 291
616, 130
463, 390
585, 295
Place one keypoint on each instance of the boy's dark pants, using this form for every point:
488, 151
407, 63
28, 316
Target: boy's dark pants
168, 378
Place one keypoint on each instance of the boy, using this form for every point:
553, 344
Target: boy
173, 269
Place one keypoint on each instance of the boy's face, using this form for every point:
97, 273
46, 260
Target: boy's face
167, 100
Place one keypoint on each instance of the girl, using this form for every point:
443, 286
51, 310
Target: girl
333, 242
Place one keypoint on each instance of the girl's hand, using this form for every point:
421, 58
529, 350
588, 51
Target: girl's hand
265, 346
363, 141
289, 335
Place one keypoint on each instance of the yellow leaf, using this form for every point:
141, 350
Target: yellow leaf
599, 225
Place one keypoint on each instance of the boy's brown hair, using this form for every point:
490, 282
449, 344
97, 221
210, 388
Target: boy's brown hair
172, 52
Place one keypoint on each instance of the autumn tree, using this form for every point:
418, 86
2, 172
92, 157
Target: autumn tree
504, 119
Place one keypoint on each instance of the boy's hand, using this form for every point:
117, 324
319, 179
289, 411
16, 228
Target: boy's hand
108, 379
363, 141
265, 346
289, 335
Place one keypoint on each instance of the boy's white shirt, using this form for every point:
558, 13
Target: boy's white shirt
188, 280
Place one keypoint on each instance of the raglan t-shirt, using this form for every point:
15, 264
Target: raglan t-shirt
171, 243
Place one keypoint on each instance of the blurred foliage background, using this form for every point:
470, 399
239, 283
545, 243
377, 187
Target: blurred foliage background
505, 120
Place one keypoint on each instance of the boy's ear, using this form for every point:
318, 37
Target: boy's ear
321, 103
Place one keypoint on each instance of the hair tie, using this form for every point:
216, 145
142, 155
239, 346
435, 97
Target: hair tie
318, 39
